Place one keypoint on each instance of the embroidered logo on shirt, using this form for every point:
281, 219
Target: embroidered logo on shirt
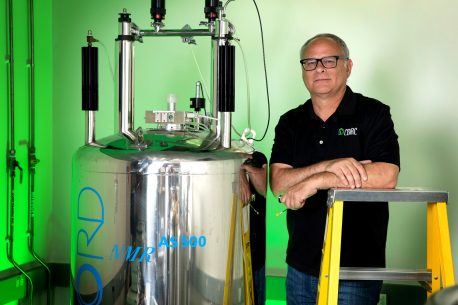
348, 132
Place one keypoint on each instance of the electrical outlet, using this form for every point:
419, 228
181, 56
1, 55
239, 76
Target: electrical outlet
382, 300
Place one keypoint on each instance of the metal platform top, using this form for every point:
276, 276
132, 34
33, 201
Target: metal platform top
350, 273
376, 195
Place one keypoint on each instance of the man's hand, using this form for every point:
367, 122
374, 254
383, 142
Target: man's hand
251, 170
245, 193
258, 177
349, 171
296, 195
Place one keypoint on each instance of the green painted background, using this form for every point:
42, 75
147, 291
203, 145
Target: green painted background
404, 54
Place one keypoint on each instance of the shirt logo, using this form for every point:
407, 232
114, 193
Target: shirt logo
348, 132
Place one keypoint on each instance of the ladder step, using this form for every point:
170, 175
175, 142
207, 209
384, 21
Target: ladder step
397, 195
354, 273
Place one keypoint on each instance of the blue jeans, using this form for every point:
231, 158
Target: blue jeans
259, 279
301, 289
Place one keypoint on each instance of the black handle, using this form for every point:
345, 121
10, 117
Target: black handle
90, 78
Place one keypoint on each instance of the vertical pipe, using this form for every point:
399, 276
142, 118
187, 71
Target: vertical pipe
226, 129
90, 129
32, 160
90, 87
125, 77
226, 90
216, 42
223, 129
12, 163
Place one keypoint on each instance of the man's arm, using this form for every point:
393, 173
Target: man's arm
284, 176
379, 175
350, 171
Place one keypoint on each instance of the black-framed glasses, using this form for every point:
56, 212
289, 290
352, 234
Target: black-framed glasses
329, 62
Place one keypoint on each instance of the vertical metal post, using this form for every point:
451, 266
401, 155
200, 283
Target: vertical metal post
90, 87
90, 127
125, 77
223, 129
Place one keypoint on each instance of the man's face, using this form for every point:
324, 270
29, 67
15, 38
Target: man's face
326, 81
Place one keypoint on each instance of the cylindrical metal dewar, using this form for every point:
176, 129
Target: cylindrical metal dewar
153, 226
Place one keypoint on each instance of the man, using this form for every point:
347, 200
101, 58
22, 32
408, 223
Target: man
336, 139
253, 191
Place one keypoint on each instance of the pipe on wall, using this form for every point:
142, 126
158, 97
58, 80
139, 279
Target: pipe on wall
32, 159
12, 163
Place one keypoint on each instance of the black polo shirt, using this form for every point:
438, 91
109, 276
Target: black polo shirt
360, 128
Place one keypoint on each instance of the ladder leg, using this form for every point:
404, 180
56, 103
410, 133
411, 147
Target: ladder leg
447, 273
323, 284
432, 248
247, 266
334, 263
227, 298
330, 265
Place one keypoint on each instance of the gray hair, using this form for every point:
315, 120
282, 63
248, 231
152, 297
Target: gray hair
336, 38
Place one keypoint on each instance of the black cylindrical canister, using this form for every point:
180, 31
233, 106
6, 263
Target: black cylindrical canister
90, 75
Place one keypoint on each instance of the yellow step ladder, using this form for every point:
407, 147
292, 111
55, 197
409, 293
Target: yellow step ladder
439, 254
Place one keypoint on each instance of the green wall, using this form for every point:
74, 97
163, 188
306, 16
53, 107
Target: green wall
403, 54
43, 140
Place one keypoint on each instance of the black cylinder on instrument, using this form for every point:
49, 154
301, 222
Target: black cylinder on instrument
90, 75
226, 80
157, 10
210, 9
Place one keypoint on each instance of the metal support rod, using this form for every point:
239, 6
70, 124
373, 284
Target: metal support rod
90, 87
225, 119
215, 114
32, 160
181, 33
12, 163
90, 129
223, 129
125, 78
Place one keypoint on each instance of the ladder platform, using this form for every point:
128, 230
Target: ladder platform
358, 273
399, 195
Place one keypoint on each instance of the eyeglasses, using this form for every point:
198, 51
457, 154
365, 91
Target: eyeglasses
329, 62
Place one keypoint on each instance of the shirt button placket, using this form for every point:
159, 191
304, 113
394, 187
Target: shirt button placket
323, 127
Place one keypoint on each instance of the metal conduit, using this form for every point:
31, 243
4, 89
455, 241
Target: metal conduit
12, 163
32, 159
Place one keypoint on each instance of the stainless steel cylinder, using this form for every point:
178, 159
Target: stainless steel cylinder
126, 80
154, 226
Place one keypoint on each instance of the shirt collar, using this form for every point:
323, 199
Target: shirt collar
346, 106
